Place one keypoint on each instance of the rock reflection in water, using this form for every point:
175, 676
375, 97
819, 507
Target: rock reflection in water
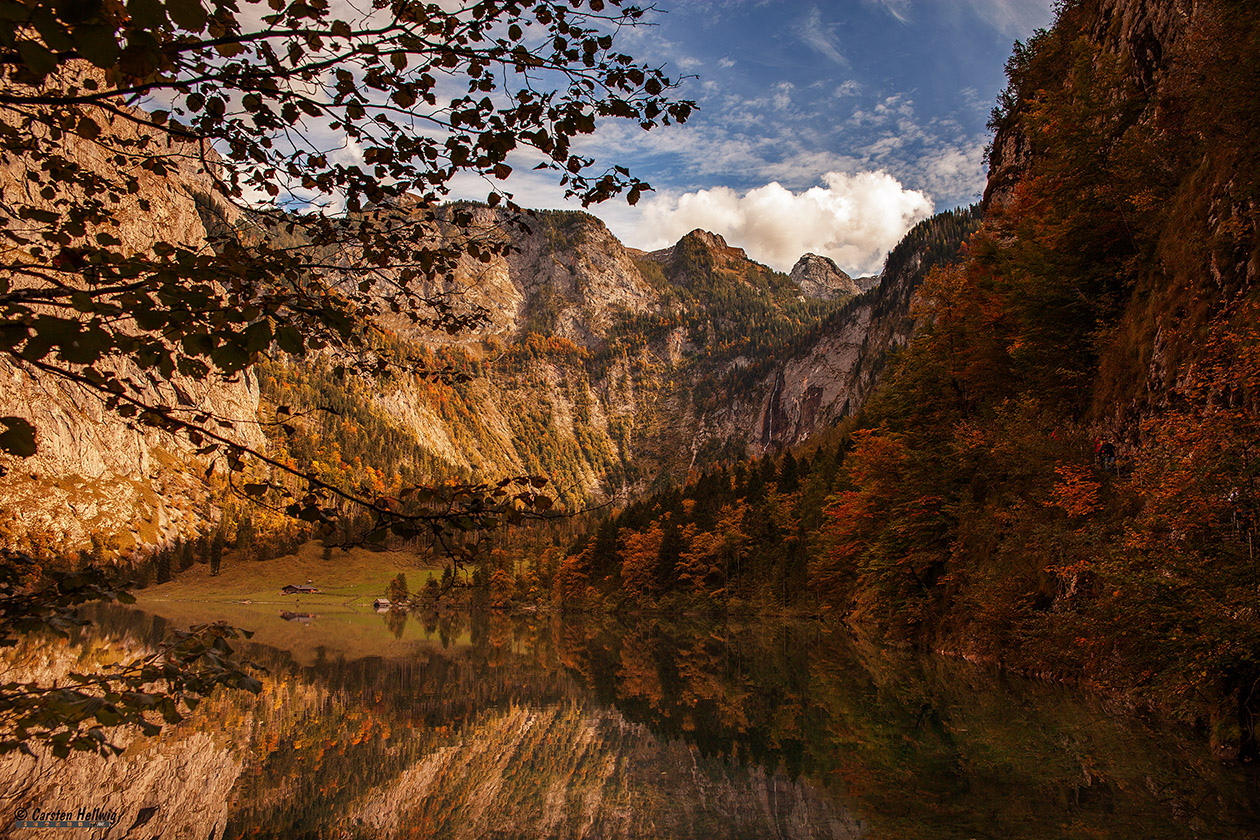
566, 729
568, 771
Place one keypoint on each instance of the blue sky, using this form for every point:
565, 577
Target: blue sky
825, 127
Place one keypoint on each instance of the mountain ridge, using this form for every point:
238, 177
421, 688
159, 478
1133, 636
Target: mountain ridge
611, 369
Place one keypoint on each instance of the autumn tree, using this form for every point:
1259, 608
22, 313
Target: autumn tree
640, 558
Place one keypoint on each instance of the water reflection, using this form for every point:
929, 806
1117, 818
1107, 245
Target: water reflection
496, 727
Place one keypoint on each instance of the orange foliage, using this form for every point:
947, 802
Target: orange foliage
639, 557
1077, 490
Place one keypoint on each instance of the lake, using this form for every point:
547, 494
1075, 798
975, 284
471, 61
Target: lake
489, 726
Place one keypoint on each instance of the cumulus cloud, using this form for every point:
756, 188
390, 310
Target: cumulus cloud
854, 219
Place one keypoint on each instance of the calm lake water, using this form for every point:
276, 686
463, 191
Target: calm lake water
494, 727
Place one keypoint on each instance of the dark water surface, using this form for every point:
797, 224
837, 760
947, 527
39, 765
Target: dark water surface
496, 727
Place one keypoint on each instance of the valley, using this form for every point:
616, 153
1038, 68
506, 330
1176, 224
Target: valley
582, 539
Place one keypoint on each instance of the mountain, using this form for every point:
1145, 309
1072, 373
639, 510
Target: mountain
611, 371
820, 277
614, 371
97, 477
604, 368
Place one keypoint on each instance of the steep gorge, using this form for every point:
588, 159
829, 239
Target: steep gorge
613, 371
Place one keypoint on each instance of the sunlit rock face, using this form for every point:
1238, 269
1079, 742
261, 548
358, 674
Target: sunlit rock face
820, 277
565, 275
96, 474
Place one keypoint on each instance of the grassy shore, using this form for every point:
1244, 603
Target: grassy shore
341, 620
345, 578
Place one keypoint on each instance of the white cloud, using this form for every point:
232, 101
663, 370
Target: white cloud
954, 171
900, 9
821, 37
854, 219
783, 95
851, 87
1017, 18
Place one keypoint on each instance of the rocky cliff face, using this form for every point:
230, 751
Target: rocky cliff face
566, 275
722, 254
96, 474
820, 277
830, 376
1145, 34
1167, 54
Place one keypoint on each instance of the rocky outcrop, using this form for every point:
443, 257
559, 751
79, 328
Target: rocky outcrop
865, 284
831, 376
95, 474
820, 277
565, 275
722, 254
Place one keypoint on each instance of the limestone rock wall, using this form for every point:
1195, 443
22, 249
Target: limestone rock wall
820, 277
95, 474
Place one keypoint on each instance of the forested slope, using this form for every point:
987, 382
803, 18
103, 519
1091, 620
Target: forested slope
1059, 473
1108, 304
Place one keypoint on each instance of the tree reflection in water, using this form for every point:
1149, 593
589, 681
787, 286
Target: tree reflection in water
589, 728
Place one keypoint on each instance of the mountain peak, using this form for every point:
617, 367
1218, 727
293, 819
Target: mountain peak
820, 277
707, 238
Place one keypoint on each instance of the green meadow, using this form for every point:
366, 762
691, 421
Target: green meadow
338, 621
